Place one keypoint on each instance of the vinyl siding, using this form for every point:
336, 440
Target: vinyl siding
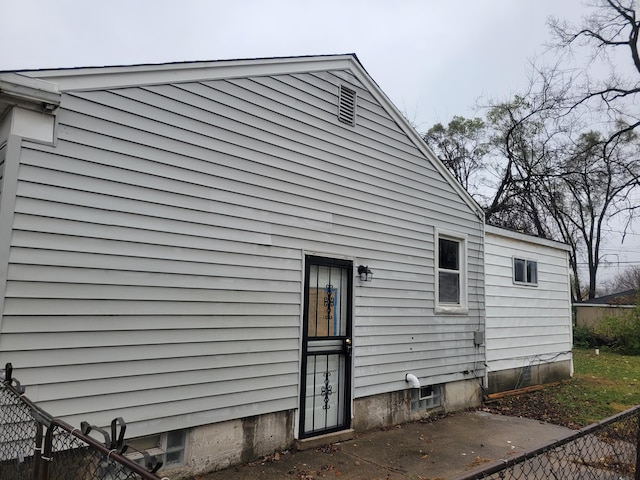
526, 324
156, 259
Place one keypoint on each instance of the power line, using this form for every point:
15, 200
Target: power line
619, 232
612, 264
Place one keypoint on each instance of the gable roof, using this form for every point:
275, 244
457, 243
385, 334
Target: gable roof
91, 78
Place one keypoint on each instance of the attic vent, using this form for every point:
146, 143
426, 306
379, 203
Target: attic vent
347, 107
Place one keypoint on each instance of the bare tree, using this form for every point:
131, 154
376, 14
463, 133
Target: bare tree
610, 34
562, 157
628, 279
598, 176
554, 176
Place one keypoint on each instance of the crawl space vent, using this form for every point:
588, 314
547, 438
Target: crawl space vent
347, 107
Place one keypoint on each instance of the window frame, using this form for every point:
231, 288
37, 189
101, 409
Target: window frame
527, 262
461, 307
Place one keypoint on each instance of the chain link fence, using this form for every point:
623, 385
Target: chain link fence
607, 450
35, 446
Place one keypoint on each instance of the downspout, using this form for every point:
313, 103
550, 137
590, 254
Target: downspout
483, 315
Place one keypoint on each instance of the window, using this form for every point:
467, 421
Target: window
451, 295
426, 397
525, 271
166, 447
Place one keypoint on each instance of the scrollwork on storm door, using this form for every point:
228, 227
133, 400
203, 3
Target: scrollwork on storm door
327, 389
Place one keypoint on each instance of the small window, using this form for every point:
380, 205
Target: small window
451, 274
166, 447
449, 271
525, 271
426, 397
347, 107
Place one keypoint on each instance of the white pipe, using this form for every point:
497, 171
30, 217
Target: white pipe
412, 380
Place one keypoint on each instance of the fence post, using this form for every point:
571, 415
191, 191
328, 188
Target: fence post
47, 454
637, 475
37, 454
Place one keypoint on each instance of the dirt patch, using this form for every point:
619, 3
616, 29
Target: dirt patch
539, 405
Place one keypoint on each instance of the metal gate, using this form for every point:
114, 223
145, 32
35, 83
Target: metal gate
326, 347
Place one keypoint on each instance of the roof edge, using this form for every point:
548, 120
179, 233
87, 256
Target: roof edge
503, 232
88, 78
418, 141
20, 90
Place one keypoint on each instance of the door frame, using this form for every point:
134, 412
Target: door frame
346, 352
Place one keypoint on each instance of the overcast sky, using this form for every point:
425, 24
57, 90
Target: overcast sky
433, 58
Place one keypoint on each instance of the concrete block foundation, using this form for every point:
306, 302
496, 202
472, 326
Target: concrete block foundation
387, 409
220, 445
511, 379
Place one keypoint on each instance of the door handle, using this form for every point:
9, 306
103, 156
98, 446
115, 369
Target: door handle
347, 344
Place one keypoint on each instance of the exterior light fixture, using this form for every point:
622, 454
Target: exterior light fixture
366, 275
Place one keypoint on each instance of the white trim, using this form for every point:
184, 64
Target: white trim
7, 209
20, 89
34, 126
463, 307
96, 78
526, 260
523, 237
298, 410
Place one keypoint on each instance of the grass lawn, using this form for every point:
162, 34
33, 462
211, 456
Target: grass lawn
603, 385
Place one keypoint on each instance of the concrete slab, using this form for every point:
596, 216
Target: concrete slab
440, 449
320, 440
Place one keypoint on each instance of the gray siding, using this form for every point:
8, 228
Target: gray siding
156, 257
526, 325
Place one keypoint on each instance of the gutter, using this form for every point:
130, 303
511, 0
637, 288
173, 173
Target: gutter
31, 93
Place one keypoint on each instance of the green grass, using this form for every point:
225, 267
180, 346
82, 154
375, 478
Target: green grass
603, 385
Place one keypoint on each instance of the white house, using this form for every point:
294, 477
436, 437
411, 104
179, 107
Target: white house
182, 245
528, 308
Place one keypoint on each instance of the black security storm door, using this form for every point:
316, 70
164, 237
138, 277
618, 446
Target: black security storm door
326, 347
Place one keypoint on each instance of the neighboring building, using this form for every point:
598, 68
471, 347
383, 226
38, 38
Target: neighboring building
182, 245
589, 312
528, 304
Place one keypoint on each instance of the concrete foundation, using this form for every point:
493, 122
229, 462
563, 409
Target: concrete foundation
511, 379
220, 445
462, 394
383, 410
394, 408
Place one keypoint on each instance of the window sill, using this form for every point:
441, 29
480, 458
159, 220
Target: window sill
452, 309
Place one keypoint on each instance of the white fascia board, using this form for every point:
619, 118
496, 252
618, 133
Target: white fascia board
96, 78
22, 90
523, 237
